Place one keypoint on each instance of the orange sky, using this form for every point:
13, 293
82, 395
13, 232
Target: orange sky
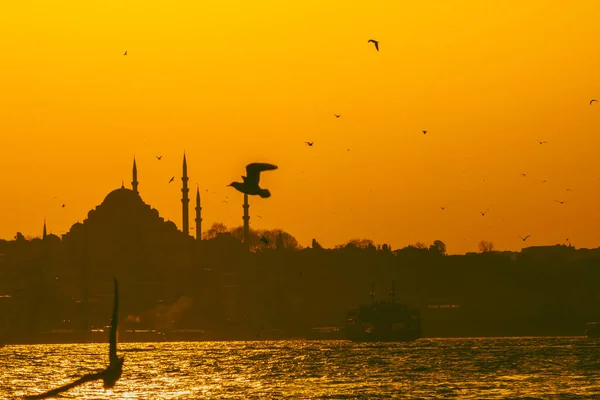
232, 82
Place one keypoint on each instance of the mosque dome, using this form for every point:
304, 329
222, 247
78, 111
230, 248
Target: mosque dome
122, 197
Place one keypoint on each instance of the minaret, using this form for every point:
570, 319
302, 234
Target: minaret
185, 201
134, 183
45, 233
198, 216
246, 221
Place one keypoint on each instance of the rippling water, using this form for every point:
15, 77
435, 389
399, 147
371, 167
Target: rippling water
497, 368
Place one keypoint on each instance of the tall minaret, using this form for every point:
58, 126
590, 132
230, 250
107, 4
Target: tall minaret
185, 201
45, 233
198, 215
246, 220
134, 183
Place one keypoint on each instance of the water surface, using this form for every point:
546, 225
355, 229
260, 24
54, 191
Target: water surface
495, 368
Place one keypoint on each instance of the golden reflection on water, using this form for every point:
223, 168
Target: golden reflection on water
428, 368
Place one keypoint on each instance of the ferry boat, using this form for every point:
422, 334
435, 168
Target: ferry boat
383, 321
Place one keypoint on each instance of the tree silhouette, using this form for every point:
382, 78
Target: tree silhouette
485, 246
420, 245
358, 243
438, 247
272, 239
218, 228
315, 244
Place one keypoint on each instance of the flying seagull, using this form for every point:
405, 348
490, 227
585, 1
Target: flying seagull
250, 184
443, 208
172, 179
541, 141
524, 175
337, 115
524, 238
111, 374
63, 206
483, 213
568, 190
310, 143
375, 42
561, 202
424, 132
125, 53
159, 157
593, 100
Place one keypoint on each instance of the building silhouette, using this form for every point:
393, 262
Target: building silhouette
246, 219
198, 219
185, 200
134, 182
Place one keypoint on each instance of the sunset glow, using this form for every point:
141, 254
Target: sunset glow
233, 82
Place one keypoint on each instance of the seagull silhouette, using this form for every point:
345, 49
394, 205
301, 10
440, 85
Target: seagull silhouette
525, 175
524, 238
63, 206
250, 184
125, 53
111, 374
159, 157
593, 100
443, 208
561, 202
544, 181
375, 42
310, 143
541, 141
424, 132
337, 115
568, 190
483, 213
172, 179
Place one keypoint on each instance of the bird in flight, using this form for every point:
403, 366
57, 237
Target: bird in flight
561, 202
111, 374
250, 184
259, 216
310, 143
483, 213
158, 158
544, 181
63, 206
337, 115
541, 141
424, 132
524, 238
593, 100
172, 179
524, 175
125, 53
569, 190
443, 208
375, 42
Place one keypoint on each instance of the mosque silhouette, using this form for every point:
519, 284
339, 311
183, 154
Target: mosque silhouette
154, 261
